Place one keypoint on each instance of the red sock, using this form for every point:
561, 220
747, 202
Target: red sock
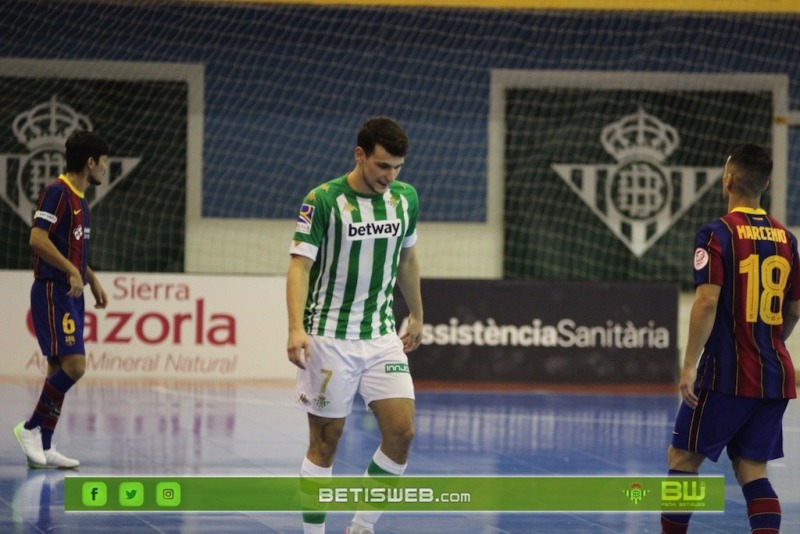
763, 507
48, 409
676, 523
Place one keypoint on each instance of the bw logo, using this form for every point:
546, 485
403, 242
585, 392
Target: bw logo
44, 129
639, 198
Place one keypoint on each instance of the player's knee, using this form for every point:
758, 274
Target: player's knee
747, 470
401, 437
324, 442
77, 373
408, 435
331, 436
322, 452
683, 460
74, 366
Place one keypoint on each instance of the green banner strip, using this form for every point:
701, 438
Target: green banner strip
396, 494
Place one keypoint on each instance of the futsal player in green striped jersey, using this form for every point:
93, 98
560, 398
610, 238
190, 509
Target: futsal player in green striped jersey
354, 240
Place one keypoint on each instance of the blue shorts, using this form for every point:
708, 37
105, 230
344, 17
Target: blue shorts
749, 427
57, 319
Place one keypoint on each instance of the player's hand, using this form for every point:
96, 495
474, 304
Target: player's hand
100, 297
686, 386
298, 348
75, 285
412, 337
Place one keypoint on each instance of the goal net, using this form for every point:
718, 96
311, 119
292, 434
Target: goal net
544, 144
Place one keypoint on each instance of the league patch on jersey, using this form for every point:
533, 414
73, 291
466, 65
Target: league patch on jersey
304, 219
700, 258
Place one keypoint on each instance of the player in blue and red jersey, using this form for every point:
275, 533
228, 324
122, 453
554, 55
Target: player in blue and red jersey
60, 242
747, 302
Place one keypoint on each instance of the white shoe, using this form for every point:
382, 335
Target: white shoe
56, 460
31, 443
355, 528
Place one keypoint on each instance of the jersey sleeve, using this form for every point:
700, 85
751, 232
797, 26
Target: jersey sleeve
412, 198
793, 292
49, 209
311, 225
708, 257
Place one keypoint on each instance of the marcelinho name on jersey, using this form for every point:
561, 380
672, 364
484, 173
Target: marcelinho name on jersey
764, 233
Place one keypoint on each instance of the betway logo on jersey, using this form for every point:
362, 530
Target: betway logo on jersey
358, 231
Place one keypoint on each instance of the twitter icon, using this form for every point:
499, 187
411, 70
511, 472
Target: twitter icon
131, 494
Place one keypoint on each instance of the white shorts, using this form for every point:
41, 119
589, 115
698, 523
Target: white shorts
338, 368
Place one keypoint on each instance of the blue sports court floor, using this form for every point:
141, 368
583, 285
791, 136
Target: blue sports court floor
253, 430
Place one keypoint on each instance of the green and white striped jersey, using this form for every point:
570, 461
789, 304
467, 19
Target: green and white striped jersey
355, 242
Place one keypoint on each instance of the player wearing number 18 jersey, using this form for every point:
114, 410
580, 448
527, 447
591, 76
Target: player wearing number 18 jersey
747, 302
752, 257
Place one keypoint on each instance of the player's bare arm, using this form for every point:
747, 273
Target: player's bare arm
790, 319
701, 322
298, 347
99, 294
41, 245
409, 284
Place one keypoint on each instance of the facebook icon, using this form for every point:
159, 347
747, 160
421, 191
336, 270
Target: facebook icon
94, 494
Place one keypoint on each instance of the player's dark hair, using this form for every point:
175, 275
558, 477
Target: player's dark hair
752, 168
385, 132
82, 145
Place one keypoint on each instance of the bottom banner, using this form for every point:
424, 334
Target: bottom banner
398, 494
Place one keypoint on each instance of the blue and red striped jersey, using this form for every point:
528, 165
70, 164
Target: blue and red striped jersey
64, 213
753, 258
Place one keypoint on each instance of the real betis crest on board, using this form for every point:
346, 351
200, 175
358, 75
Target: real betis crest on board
636, 493
641, 195
43, 129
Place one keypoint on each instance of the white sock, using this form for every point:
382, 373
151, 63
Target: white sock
310, 469
313, 528
368, 518
387, 464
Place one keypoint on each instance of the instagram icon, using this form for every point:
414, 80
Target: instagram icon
168, 494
